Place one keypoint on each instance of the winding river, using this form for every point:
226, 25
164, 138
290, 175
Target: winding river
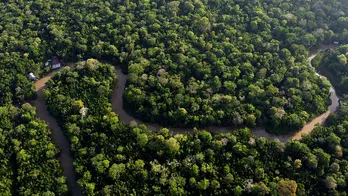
117, 106
62, 142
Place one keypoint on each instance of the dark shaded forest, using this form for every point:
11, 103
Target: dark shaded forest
333, 65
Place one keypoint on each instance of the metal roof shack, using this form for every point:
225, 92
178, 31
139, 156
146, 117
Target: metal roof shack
55, 63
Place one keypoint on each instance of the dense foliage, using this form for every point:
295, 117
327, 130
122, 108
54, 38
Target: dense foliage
333, 65
232, 63
117, 159
90, 78
191, 62
15, 88
28, 158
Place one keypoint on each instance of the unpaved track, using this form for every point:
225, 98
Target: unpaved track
62, 143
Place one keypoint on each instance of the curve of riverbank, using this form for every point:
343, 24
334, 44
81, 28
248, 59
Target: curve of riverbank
117, 106
333, 96
62, 143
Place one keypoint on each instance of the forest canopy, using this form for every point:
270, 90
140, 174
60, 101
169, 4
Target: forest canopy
112, 158
190, 63
333, 65
90, 78
28, 157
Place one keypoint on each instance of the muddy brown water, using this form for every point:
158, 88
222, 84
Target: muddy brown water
62, 142
333, 96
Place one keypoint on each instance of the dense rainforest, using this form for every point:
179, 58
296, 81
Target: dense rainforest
190, 63
29, 164
333, 65
117, 159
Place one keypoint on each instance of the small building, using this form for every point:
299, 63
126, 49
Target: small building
56, 66
55, 63
31, 76
336, 43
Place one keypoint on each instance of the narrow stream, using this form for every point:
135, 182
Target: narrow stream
333, 96
62, 143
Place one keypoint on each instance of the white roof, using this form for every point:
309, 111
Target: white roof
55, 66
32, 76
47, 63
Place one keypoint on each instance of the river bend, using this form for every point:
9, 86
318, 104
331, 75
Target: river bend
65, 157
117, 106
62, 142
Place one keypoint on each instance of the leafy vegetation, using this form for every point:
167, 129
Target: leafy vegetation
333, 65
29, 164
190, 63
117, 159
90, 78
230, 65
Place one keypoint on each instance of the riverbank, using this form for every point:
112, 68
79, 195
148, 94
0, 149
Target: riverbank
65, 157
117, 106
62, 142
